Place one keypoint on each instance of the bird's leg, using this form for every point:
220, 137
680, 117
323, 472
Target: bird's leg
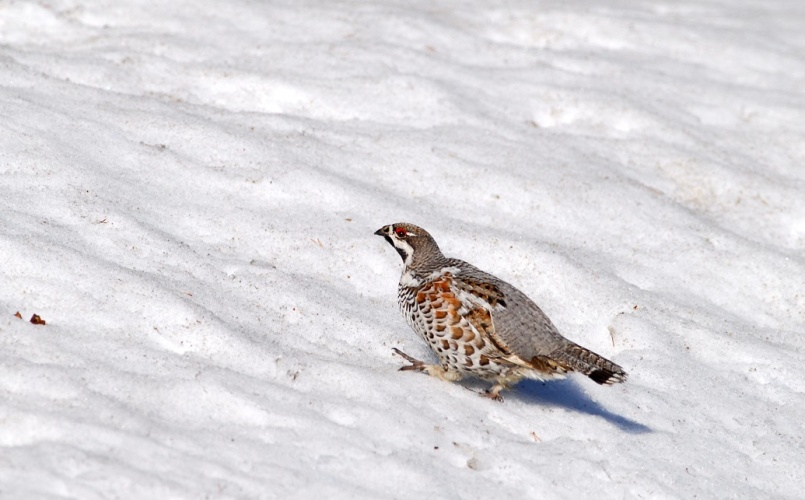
494, 392
432, 370
415, 363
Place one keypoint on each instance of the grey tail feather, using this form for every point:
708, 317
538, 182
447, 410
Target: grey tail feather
598, 368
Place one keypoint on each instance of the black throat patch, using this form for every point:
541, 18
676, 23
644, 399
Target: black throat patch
399, 250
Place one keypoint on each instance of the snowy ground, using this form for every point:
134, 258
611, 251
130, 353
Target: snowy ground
189, 191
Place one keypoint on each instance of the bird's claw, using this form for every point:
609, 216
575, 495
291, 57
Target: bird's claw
493, 394
415, 363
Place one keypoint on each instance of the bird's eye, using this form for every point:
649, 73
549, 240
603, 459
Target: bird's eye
400, 232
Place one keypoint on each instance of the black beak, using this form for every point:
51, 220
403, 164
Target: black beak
383, 231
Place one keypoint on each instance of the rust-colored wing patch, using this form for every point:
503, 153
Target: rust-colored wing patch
476, 304
481, 319
456, 319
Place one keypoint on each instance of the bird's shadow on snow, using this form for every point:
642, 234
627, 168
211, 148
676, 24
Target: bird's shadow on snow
568, 394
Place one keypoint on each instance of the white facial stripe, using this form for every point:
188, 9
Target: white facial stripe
406, 248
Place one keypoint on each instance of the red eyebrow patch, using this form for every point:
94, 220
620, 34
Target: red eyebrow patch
400, 232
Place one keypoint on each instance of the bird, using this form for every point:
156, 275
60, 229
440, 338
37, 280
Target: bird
479, 325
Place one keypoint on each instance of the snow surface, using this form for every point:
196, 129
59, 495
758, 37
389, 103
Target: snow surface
189, 191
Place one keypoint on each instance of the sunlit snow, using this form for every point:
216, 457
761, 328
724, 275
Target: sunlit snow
188, 194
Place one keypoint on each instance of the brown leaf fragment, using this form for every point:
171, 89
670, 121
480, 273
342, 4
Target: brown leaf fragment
17, 314
35, 319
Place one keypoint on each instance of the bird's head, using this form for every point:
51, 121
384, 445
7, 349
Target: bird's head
413, 243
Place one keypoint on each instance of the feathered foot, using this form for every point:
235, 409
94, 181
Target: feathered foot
432, 370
